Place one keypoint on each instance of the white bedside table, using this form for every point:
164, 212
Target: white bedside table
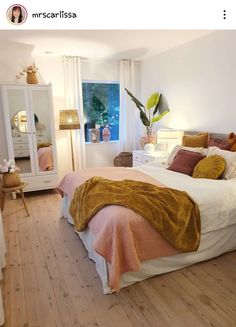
141, 157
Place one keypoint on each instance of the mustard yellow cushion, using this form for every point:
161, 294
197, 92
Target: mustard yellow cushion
42, 145
210, 167
200, 140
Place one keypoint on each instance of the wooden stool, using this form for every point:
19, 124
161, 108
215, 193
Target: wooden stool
14, 189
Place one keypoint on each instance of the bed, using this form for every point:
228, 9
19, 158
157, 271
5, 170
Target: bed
131, 262
45, 158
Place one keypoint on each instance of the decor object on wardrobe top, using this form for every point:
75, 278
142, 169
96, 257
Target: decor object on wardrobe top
69, 120
30, 71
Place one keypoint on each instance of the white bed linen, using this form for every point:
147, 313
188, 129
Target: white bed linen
216, 198
212, 244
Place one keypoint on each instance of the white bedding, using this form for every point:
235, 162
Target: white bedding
217, 204
216, 198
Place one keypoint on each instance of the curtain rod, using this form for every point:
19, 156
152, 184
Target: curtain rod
100, 60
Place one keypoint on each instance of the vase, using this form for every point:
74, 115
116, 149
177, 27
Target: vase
106, 134
149, 147
94, 135
150, 137
31, 78
11, 179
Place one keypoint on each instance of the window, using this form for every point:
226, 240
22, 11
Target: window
101, 103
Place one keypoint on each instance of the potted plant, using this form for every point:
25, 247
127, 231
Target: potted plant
155, 109
30, 71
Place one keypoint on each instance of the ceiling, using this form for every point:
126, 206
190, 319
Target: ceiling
102, 44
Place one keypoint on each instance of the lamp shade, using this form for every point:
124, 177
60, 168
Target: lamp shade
69, 119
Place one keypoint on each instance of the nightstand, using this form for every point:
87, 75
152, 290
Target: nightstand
141, 157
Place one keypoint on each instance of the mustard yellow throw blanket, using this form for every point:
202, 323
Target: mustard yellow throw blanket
172, 213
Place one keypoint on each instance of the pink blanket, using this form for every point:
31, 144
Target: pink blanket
45, 158
122, 237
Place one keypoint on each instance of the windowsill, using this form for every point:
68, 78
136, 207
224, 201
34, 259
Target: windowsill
102, 142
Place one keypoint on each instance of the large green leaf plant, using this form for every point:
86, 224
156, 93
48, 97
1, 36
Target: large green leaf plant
155, 109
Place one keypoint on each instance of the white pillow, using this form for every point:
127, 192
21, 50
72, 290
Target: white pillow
230, 159
176, 149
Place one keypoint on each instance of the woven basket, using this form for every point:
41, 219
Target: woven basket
124, 159
11, 179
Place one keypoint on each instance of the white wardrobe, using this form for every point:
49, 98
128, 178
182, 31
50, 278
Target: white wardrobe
30, 133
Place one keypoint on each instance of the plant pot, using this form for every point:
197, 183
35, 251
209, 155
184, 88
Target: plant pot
11, 179
150, 137
149, 147
31, 78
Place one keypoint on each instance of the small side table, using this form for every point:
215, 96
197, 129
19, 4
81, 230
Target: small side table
14, 189
141, 157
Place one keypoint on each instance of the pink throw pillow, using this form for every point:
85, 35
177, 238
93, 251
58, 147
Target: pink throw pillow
185, 161
222, 144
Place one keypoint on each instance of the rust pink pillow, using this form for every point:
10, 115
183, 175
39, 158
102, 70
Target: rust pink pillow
222, 144
185, 161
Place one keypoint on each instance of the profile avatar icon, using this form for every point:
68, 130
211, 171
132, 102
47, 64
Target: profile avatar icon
16, 14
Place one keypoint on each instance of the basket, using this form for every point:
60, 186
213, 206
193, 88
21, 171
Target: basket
124, 159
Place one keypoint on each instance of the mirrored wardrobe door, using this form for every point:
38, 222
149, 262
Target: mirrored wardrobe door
18, 119
41, 107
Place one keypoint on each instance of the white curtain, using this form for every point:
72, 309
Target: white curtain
127, 111
74, 100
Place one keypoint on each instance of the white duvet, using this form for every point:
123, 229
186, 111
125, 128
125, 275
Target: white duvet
216, 198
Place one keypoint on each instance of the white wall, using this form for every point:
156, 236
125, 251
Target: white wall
199, 81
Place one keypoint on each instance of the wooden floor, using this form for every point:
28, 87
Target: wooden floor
49, 280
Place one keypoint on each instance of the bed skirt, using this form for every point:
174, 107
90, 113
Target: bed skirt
212, 244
